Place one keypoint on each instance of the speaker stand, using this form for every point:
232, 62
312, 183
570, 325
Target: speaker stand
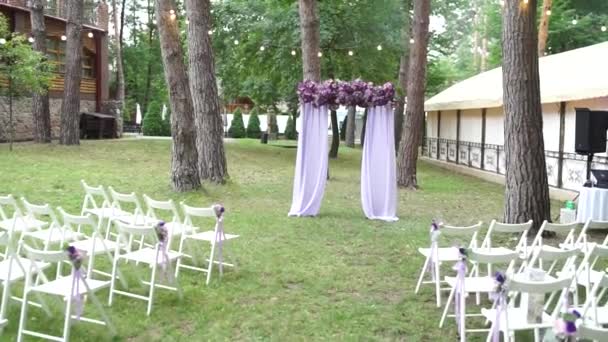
589, 183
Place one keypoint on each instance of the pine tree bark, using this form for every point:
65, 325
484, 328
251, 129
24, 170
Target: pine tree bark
120, 75
350, 126
184, 167
40, 101
311, 39
403, 69
203, 87
149, 68
543, 27
70, 108
335, 135
414, 113
364, 126
484, 45
527, 189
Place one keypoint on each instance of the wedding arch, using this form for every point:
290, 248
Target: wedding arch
378, 169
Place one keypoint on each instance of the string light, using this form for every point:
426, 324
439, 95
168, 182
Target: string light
64, 38
154, 22
604, 28
210, 32
411, 40
236, 42
171, 12
320, 54
574, 21
187, 22
502, 3
526, 2
262, 48
293, 52
30, 39
350, 53
172, 16
548, 12
90, 35
2, 41
379, 47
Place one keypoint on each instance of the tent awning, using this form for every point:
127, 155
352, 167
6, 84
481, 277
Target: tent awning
573, 75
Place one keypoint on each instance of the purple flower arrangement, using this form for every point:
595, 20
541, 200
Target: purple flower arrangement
335, 93
75, 256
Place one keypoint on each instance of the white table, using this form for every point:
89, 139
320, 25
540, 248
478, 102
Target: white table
592, 204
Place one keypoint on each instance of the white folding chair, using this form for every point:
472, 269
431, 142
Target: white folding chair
590, 270
12, 218
91, 204
12, 269
92, 242
155, 258
515, 318
476, 284
171, 217
436, 254
569, 230
520, 247
582, 239
593, 333
216, 238
54, 234
593, 311
71, 289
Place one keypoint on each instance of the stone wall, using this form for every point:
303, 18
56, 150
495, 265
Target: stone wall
23, 118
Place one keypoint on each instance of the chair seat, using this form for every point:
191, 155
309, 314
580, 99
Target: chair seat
54, 235
137, 220
16, 271
176, 228
518, 319
63, 286
106, 212
474, 284
210, 236
87, 245
148, 256
22, 224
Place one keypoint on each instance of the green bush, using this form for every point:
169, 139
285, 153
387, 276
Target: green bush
237, 127
253, 126
153, 124
290, 129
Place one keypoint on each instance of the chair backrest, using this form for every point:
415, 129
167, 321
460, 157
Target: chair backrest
167, 206
191, 212
9, 208
447, 232
37, 211
44, 256
499, 227
128, 202
569, 229
538, 287
127, 232
591, 224
480, 255
91, 194
77, 222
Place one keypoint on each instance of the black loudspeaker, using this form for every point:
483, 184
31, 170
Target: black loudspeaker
590, 136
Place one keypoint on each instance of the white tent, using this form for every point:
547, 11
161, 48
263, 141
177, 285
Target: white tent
568, 76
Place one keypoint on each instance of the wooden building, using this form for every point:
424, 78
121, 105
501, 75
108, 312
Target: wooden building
94, 86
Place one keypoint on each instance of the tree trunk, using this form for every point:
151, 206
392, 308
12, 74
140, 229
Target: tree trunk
543, 27
120, 75
10, 112
484, 45
311, 40
184, 167
351, 126
40, 101
363, 128
406, 32
335, 136
476, 44
203, 86
527, 189
149, 69
70, 108
414, 113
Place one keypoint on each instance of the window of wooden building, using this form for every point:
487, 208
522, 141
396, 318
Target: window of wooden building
56, 54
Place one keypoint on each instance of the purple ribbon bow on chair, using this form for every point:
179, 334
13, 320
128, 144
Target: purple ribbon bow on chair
76, 259
163, 237
433, 250
220, 236
500, 299
459, 291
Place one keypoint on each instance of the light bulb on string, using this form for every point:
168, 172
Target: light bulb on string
30, 39
574, 21
526, 2
350, 53
171, 12
320, 54
63, 37
236, 42
187, 22
548, 12
603, 28
379, 47
262, 48
172, 16
2, 41
411, 40
154, 22
210, 32
293, 52
90, 35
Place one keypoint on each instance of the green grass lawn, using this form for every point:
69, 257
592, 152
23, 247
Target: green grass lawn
335, 277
